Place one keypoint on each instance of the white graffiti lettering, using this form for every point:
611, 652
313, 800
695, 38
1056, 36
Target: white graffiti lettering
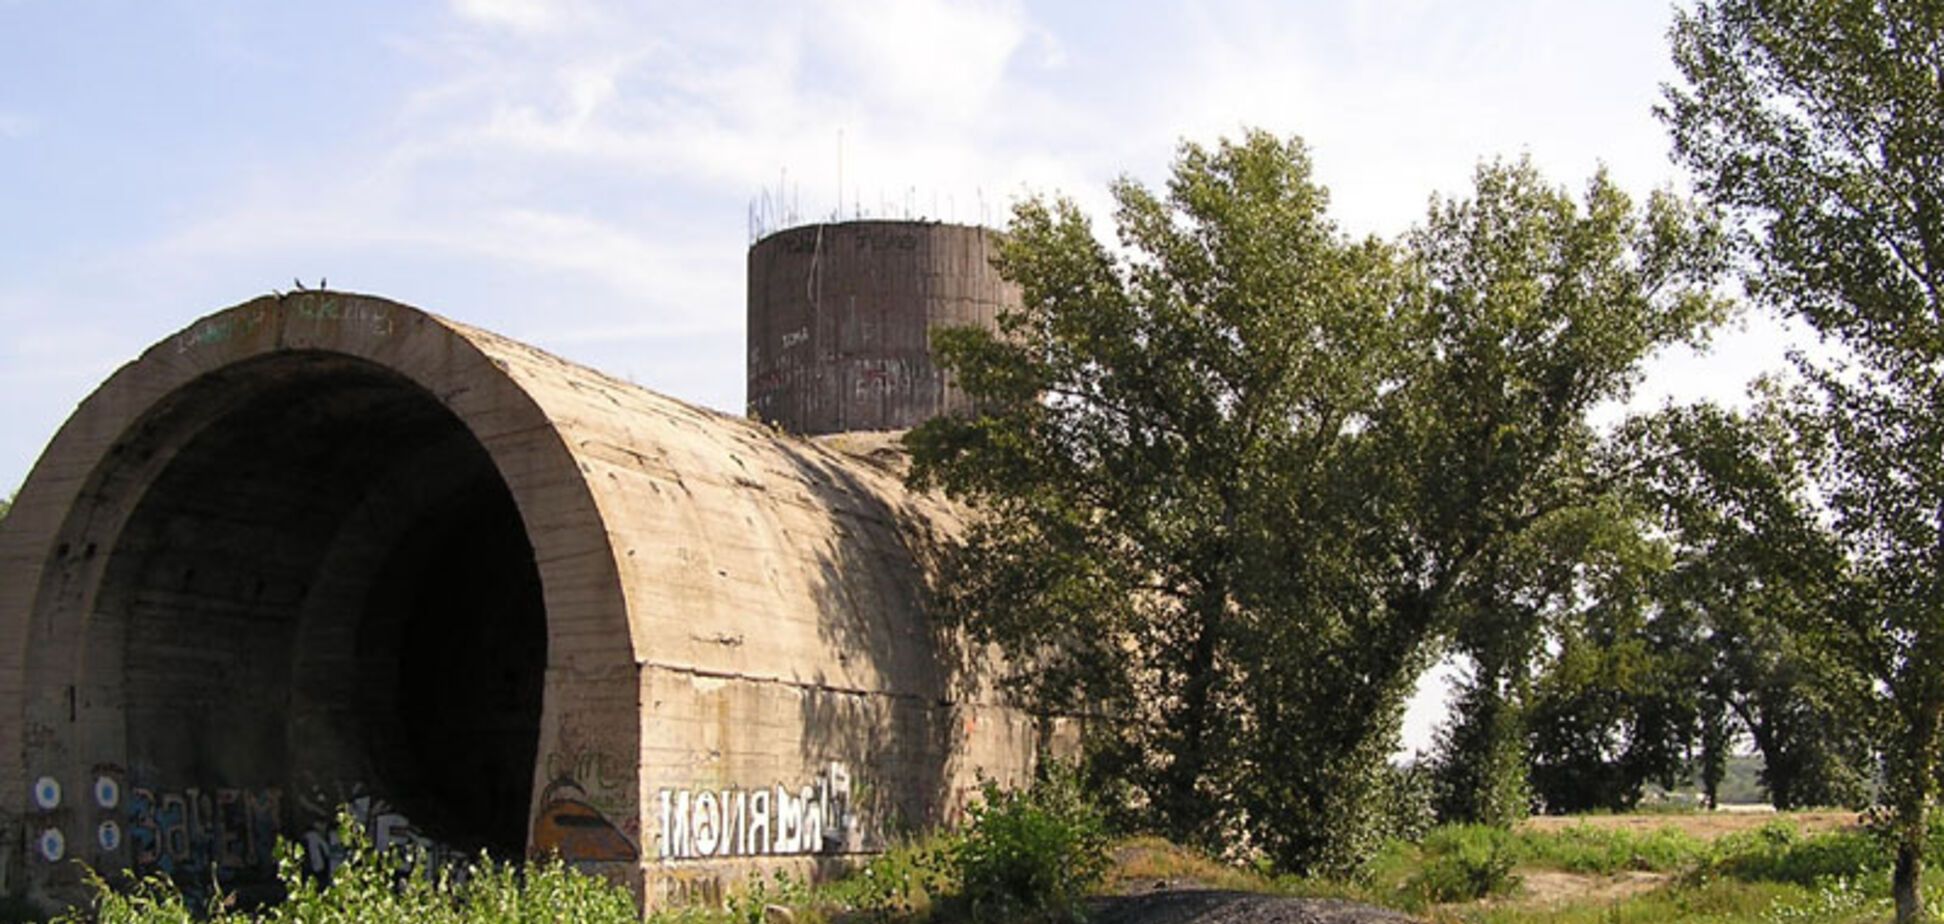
771, 821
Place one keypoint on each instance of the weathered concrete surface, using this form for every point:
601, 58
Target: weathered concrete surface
325, 546
841, 317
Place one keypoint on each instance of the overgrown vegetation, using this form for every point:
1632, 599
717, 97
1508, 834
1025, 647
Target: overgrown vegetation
1030, 854
1040, 854
1769, 874
375, 886
1241, 477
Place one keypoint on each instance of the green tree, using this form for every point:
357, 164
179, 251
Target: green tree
1151, 424
1614, 706
1822, 125
1756, 568
1243, 473
1544, 309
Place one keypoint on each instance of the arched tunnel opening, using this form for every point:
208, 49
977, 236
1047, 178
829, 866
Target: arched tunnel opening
326, 593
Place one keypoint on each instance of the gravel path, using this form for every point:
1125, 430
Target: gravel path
1196, 906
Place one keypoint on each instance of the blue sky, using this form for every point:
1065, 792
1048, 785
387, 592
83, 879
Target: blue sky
579, 174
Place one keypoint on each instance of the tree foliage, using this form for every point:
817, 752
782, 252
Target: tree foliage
1822, 125
1613, 706
1152, 426
1547, 308
1755, 571
1240, 474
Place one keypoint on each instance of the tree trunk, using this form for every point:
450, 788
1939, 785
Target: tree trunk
1188, 808
1910, 868
1913, 778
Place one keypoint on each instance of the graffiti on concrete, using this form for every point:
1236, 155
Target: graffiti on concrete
47, 794
778, 820
880, 376
53, 845
573, 827
600, 771
198, 829
370, 319
325, 850
218, 330
107, 787
691, 888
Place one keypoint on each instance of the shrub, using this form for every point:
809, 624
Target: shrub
1032, 853
1775, 852
903, 881
1463, 863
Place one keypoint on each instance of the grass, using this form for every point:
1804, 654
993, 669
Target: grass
1774, 874
1584, 848
377, 886
1721, 902
1585, 872
1771, 875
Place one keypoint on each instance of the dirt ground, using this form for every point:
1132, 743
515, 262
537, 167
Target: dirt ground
1704, 825
1551, 888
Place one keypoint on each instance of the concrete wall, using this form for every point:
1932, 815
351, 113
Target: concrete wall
840, 319
328, 548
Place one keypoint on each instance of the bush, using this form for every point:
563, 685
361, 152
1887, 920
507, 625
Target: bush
1463, 863
903, 881
1776, 852
1032, 853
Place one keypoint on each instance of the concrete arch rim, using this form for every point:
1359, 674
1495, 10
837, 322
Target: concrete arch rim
449, 362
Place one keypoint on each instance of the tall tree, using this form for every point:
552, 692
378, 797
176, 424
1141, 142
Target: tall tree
1243, 472
1613, 706
1148, 423
1544, 308
1822, 125
1757, 569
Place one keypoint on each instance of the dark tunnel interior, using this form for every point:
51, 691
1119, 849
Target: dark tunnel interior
328, 592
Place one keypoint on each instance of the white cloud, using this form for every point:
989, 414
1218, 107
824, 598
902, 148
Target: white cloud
937, 58
518, 15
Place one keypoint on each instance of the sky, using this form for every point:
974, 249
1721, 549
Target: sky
585, 175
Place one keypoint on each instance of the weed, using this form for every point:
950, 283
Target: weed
383, 887
1031, 853
1584, 848
1463, 863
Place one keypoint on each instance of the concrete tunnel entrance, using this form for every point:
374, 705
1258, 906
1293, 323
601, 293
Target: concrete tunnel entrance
326, 592
320, 546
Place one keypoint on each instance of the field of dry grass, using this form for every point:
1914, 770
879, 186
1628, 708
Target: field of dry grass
1704, 825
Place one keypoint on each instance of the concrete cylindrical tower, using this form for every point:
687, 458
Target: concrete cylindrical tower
841, 315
